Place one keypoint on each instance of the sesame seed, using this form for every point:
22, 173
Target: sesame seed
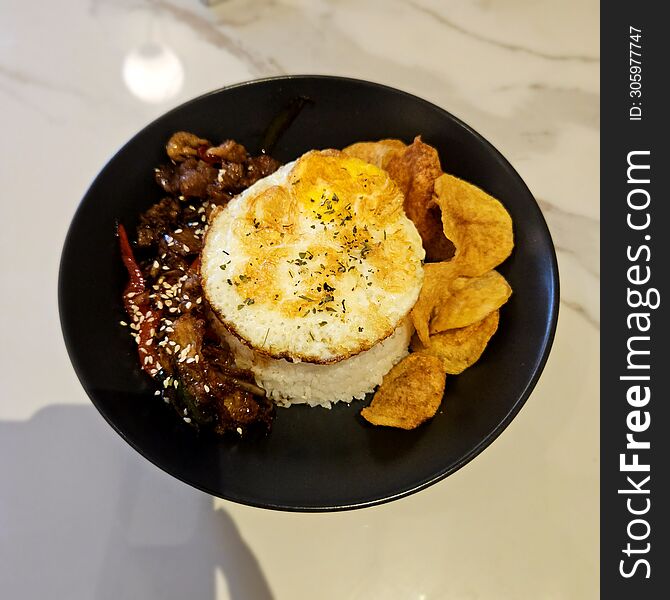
207, 388
123, 323
157, 393
187, 420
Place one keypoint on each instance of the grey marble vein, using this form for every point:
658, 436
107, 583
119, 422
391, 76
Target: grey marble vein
574, 234
539, 87
548, 206
11, 93
499, 44
242, 14
582, 312
213, 34
25, 79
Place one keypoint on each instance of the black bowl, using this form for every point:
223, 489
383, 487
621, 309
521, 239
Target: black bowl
314, 459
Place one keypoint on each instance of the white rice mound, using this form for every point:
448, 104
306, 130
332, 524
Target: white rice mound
289, 383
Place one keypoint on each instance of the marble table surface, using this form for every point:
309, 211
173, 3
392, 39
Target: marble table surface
82, 515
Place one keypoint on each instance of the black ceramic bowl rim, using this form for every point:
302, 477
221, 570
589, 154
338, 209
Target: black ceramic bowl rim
468, 456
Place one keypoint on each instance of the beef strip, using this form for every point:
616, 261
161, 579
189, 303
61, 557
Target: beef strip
162, 216
212, 391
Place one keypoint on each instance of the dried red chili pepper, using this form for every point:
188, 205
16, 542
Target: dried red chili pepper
138, 306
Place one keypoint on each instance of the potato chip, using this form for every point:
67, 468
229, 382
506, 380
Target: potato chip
477, 224
468, 300
448, 301
415, 171
459, 348
437, 278
410, 393
377, 153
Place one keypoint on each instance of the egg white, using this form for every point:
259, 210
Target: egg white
308, 277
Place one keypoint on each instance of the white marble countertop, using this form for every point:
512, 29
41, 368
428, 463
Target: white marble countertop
83, 516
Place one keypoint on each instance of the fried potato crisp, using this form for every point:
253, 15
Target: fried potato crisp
468, 300
477, 224
460, 348
378, 153
410, 393
415, 171
437, 278
448, 301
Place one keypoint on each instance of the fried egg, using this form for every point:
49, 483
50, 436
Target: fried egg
316, 262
